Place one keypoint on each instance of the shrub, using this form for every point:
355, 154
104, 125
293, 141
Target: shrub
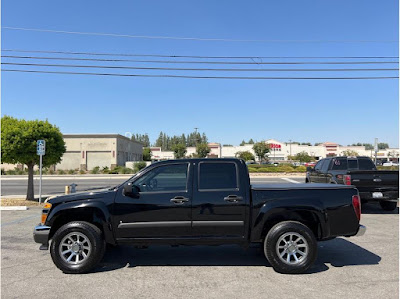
95, 170
60, 171
71, 171
301, 168
139, 166
3, 172
82, 171
105, 170
51, 171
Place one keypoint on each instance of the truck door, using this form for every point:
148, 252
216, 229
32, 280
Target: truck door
219, 200
163, 208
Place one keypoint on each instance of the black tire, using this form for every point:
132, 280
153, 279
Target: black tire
94, 240
388, 205
301, 234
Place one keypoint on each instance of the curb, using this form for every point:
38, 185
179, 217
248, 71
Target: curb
14, 208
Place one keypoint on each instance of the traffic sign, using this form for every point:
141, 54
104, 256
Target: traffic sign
41, 147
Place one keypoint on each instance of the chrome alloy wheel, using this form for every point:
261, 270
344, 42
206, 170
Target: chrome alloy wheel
292, 248
75, 248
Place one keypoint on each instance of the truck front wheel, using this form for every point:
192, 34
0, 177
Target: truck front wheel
388, 205
290, 247
77, 247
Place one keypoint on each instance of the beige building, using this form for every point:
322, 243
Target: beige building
86, 151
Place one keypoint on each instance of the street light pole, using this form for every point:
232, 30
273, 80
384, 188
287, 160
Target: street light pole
290, 147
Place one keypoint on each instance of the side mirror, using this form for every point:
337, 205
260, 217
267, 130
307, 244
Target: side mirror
131, 190
310, 169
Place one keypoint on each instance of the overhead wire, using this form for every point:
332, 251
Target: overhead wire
198, 77
194, 38
191, 69
195, 56
201, 62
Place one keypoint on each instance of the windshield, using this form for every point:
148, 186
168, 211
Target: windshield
131, 178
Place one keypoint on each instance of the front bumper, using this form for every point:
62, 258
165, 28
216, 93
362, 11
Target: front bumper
41, 234
361, 230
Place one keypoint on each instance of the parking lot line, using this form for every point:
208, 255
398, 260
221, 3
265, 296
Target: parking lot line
290, 180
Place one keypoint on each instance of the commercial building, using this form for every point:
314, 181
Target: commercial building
280, 151
86, 151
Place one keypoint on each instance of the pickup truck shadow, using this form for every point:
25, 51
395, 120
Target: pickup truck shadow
375, 208
337, 253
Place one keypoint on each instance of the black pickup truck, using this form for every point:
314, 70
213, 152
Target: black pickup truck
199, 202
372, 184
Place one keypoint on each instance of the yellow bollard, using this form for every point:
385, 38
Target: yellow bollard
67, 189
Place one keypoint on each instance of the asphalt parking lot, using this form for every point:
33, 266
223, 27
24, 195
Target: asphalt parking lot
363, 267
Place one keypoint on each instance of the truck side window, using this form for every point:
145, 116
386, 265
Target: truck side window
164, 178
339, 164
365, 164
217, 176
325, 166
318, 166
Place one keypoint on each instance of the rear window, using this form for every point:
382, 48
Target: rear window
366, 164
339, 164
217, 176
352, 163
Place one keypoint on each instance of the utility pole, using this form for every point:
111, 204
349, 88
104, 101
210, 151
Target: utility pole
195, 138
290, 146
376, 149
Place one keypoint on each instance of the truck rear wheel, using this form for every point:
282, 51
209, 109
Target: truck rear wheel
77, 247
290, 247
388, 205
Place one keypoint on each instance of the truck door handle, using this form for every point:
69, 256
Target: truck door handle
179, 199
233, 198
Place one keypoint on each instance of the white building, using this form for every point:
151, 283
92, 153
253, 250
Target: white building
280, 151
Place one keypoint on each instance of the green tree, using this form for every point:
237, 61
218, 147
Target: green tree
383, 145
350, 153
368, 146
251, 141
18, 144
303, 157
202, 150
246, 155
179, 150
261, 150
146, 154
242, 143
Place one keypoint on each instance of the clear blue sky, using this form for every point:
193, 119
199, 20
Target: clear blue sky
343, 111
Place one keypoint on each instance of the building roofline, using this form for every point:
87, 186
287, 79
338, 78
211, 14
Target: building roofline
99, 135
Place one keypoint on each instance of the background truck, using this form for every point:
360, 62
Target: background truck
372, 184
199, 202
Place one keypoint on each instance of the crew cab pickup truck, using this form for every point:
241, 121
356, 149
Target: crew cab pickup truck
372, 184
199, 202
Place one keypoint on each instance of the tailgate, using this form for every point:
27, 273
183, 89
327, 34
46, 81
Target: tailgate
375, 180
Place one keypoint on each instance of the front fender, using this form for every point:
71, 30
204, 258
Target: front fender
95, 212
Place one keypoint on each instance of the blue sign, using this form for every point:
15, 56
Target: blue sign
41, 147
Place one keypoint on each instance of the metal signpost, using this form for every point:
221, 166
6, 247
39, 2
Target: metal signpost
41, 150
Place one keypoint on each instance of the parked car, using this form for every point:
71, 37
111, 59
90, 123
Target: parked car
390, 164
373, 184
199, 202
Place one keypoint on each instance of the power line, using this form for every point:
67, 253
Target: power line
195, 56
191, 69
200, 62
198, 77
197, 38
